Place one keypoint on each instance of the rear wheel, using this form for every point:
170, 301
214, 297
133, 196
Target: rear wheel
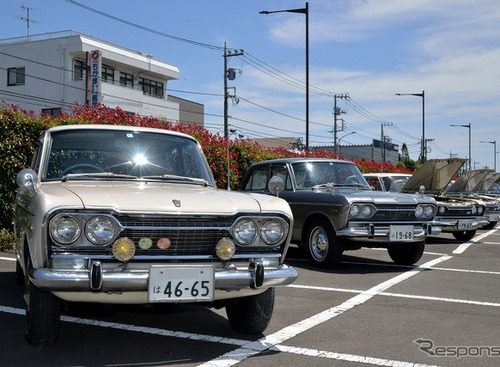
252, 314
42, 315
325, 249
406, 253
464, 235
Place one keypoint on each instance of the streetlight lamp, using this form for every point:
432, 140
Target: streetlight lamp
306, 12
338, 143
423, 145
494, 142
470, 157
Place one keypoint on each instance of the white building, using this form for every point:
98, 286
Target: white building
54, 71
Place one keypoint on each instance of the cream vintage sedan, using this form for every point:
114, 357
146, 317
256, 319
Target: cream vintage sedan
131, 215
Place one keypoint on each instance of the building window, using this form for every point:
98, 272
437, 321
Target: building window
151, 87
79, 68
107, 74
51, 112
15, 76
126, 80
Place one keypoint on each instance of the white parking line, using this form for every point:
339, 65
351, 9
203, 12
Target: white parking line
464, 246
255, 347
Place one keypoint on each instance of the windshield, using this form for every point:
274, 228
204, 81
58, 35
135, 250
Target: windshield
124, 154
309, 174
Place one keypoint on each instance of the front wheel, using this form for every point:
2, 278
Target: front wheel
406, 254
43, 314
324, 247
252, 314
464, 235
491, 225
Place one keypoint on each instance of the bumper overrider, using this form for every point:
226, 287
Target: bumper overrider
97, 279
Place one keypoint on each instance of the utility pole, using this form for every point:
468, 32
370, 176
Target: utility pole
383, 139
337, 112
227, 55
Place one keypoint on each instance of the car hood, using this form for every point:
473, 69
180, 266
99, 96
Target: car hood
486, 184
154, 197
383, 197
434, 175
468, 182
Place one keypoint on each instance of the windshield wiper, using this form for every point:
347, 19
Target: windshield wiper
97, 175
176, 178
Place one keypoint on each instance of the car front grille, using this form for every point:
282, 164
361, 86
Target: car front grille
189, 235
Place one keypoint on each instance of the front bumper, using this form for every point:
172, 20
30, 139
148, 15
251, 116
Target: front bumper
95, 279
459, 224
381, 233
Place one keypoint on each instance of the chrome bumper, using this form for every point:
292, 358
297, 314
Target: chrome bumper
420, 232
451, 225
137, 280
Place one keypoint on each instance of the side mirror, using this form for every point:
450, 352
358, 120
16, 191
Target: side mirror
421, 189
276, 184
26, 177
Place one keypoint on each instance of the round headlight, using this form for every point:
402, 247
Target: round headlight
65, 229
480, 210
442, 210
100, 230
474, 210
367, 211
354, 210
272, 231
429, 211
419, 211
245, 231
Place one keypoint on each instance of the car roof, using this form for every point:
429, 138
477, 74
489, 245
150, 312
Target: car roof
116, 128
387, 174
299, 160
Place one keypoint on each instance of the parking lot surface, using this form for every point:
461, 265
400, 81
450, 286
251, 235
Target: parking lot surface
368, 312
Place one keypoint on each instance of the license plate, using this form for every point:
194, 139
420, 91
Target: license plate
401, 233
181, 283
465, 224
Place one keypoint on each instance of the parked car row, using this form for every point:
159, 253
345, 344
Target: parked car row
117, 214
464, 205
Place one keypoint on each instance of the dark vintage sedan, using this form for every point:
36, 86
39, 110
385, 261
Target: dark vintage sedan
335, 209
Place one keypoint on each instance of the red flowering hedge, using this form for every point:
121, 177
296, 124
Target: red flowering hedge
20, 129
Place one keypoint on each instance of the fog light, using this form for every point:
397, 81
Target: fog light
123, 249
225, 249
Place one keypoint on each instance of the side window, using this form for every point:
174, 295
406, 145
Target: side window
258, 179
282, 171
79, 67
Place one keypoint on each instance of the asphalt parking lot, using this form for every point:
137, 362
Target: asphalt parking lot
368, 312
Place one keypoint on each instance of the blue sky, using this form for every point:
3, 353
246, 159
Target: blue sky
368, 49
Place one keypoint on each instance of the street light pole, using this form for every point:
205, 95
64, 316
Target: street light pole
342, 137
306, 12
423, 144
470, 157
494, 142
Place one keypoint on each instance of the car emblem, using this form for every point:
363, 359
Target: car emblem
177, 203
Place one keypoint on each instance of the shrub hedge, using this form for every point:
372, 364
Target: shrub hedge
19, 131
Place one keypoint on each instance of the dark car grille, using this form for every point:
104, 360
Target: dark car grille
394, 213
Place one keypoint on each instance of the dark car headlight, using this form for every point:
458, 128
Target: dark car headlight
424, 211
362, 211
